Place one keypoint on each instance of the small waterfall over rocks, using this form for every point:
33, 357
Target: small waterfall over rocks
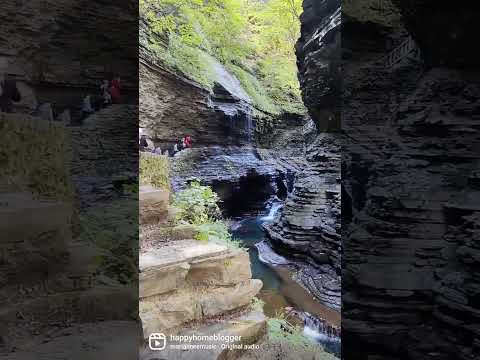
230, 98
322, 332
273, 211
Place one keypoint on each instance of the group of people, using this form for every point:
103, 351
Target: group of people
184, 143
110, 93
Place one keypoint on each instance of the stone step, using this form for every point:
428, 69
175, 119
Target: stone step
24, 319
247, 329
191, 263
35, 235
179, 252
164, 312
153, 204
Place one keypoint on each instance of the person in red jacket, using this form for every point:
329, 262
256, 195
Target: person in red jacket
115, 90
188, 141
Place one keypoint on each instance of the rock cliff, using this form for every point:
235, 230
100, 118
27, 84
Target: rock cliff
188, 286
319, 54
410, 197
308, 226
47, 51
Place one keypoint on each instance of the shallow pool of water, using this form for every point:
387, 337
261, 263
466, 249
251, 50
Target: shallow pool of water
279, 291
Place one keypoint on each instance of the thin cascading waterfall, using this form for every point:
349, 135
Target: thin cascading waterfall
272, 212
322, 332
249, 125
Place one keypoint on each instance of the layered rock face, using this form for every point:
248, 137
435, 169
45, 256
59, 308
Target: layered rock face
309, 223
184, 281
318, 54
411, 194
46, 49
444, 34
233, 173
104, 154
172, 106
308, 227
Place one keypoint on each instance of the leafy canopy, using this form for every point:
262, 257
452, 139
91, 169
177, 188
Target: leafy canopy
256, 36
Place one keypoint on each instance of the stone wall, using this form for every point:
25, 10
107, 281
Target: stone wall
408, 174
105, 154
308, 227
318, 59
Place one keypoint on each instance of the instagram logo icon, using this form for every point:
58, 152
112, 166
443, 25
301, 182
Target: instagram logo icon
157, 341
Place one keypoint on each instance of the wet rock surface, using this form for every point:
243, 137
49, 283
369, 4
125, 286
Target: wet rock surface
410, 197
308, 226
172, 106
241, 178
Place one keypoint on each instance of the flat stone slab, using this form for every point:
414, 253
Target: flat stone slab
179, 252
149, 195
223, 270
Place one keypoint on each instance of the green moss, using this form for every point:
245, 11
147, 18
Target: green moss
185, 60
154, 170
255, 89
35, 157
276, 330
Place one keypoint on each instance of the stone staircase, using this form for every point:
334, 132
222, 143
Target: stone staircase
47, 295
188, 286
407, 49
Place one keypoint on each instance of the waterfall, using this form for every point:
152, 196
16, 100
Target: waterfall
322, 332
249, 125
273, 211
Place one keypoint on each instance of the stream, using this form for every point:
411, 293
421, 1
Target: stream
280, 293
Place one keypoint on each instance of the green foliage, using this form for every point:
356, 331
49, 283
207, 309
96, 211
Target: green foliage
217, 232
154, 170
197, 204
257, 303
113, 230
35, 157
279, 330
256, 35
255, 89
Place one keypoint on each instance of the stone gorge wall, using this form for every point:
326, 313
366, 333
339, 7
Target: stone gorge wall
318, 54
409, 160
105, 154
308, 226
60, 50
172, 107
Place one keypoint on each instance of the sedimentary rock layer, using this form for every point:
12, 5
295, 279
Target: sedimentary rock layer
410, 164
308, 226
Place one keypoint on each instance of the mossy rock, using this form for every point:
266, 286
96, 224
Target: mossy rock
35, 157
155, 170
